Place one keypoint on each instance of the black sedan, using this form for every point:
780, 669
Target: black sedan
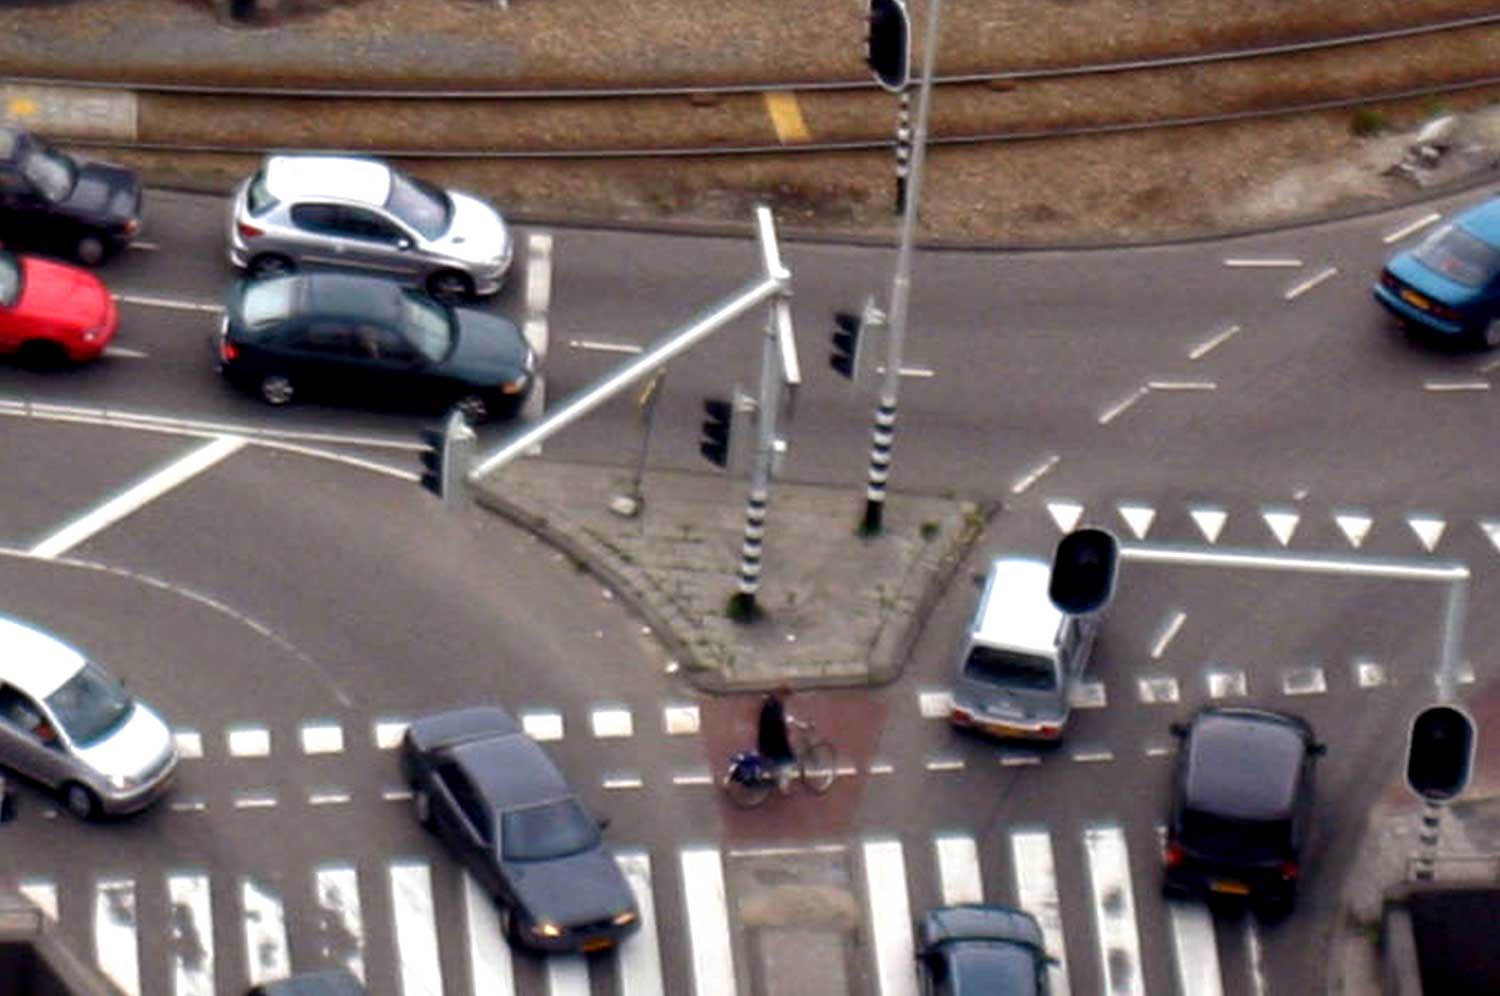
51, 201
499, 804
1242, 796
978, 950
340, 335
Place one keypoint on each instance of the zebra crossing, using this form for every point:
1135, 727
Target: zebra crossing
423, 944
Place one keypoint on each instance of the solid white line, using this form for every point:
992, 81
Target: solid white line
1415, 226
1197, 953
332, 797
490, 971
1173, 625
693, 779
163, 302
1456, 385
255, 800
1035, 475
1259, 263
1310, 283
640, 958
945, 764
596, 346
416, 931
1110, 414
1114, 911
1202, 349
1036, 892
1182, 385
121, 353
890, 917
909, 371
1306, 563
708, 922
336, 887
958, 869
115, 923
264, 919
192, 933
136, 497
538, 273
143, 246
623, 782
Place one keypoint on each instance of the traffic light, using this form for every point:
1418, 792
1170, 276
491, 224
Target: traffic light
1440, 753
445, 454
716, 430
845, 355
889, 40
1083, 571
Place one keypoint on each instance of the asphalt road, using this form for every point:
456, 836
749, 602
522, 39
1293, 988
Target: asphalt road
279, 596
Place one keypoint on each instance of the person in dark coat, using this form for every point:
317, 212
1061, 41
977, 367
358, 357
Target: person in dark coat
771, 739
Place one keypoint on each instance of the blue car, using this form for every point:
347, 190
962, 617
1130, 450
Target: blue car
1450, 284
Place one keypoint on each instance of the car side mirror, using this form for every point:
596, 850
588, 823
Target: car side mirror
1179, 729
1317, 750
403, 243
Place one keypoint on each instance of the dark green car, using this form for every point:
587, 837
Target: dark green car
372, 341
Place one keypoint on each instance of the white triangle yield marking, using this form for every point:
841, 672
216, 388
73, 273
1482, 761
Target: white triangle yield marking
1210, 522
1429, 529
1355, 527
1065, 513
1282, 524
1139, 518
1492, 530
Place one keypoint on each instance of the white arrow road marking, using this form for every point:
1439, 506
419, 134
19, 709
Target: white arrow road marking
136, 497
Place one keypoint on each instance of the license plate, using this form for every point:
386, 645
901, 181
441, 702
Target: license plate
598, 944
1414, 299
1229, 887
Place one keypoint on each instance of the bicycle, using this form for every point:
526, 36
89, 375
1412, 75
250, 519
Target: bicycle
752, 777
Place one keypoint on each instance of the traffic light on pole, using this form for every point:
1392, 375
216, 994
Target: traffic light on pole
1440, 753
445, 454
716, 430
845, 355
435, 460
889, 40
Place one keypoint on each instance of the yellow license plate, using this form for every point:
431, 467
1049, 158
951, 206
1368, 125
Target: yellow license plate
1229, 887
598, 944
1414, 299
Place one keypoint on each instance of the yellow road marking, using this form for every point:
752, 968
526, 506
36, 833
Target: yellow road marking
21, 107
786, 117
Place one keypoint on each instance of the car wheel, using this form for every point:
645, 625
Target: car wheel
421, 805
39, 354
80, 801
89, 250
276, 389
270, 265
1277, 906
450, 286
1489, 336
473, 408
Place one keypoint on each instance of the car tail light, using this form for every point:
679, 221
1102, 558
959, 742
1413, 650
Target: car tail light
1173, 855
249, 231
132, 226
963, 716
1048, 730
1289, 870
1443, 311
227, 351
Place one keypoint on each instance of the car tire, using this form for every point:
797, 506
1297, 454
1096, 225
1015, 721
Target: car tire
40, 354
89, 249
474, 408
421, 807
80, 800
270, 265
277, 389
1489, 334
450, 286
1275, 907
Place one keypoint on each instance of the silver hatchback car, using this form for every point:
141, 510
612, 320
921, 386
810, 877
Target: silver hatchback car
65, 722
351, 213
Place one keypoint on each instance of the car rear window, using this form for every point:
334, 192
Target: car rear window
1244, 840
265, 303
1459, 256
551, 830
258, 196
1006, 667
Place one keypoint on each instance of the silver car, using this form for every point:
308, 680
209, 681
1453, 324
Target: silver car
349, 213
65, 722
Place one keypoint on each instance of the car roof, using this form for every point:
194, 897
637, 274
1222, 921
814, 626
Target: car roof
1244, 763
33, 660
1483, 221
331, 983
1015, 611
347, 295
510, 770
342, 178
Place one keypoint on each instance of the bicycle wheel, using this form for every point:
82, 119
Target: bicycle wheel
746, 788
818, 766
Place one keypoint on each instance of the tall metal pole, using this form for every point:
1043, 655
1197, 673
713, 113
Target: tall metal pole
884, 434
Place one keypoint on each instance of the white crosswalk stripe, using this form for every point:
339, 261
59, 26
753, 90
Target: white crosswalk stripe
416, 931
1114, 910
890, 917
640, 955
266, 954
1193, 944
490, 970
336, 890
192, 926
708, 922
958, 869
1036, 892
115, 945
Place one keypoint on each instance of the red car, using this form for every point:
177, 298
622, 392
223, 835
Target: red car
50, 312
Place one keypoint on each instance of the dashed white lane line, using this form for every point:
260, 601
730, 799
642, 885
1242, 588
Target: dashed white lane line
1298, 290
1268, 263
1455, 385
1410, 229
1115, 410
1168, 632
600, 346
248, 741
1213, 342
143, 246
121, 353
322, 738
1031, 477
137, 497
203, 307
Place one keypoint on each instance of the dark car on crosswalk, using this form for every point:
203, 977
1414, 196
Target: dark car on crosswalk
499, 804
973, 949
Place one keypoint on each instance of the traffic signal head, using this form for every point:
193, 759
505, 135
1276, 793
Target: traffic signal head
434, 459
889, 51
1083, 571
716, 430
1440, 753
845, 355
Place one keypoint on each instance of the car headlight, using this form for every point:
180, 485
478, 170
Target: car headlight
623, 919
122, 782
515, 386
545, 929
89, 335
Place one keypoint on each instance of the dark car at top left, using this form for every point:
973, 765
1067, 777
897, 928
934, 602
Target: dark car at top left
62, 204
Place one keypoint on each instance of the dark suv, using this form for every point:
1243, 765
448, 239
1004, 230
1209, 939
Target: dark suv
1242, 794
51, 201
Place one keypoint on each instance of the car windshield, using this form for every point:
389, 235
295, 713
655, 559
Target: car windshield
50, 172
995, 666
419, 204
267, 302
428, 325
10, 280
1240, 840
1459, 256
90, 705
551, 830
987, 967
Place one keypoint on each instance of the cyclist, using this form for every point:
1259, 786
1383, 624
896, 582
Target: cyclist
772, 739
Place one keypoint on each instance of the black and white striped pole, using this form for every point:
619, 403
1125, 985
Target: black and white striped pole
883, 437
903, 149
888, 54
